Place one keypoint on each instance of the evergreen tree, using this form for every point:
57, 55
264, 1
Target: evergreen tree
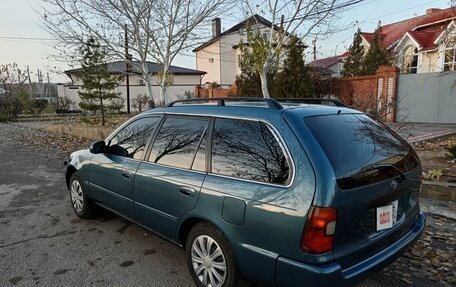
377, 54
294, 80
353, 65
248, 83
98, 86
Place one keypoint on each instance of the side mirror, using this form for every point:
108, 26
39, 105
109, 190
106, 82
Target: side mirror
97, 147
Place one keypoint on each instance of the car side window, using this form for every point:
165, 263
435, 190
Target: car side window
178, 141
248, 150
133, 137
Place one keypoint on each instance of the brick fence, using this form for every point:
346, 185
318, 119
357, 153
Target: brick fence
375, 94
201, 92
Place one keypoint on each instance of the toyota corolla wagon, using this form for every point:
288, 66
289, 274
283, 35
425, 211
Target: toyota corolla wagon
284, 193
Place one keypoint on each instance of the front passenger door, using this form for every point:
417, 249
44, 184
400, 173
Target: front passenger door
111, 174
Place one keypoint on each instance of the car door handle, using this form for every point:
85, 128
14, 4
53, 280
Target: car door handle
127, 174
188, 191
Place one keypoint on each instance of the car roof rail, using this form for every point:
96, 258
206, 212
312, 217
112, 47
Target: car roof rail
272, 103
320, 101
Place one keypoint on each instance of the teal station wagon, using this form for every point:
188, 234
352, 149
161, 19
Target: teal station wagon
288, 194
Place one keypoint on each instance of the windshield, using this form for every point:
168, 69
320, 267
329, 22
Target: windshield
356, 145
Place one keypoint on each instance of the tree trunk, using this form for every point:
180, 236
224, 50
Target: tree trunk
150, 94
163, 89
164, 82
102, 112
264, 84
147, 79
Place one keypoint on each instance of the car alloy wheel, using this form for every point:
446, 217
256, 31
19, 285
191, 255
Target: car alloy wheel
208, 261
77, 198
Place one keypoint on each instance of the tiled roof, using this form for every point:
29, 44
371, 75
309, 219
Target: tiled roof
325, 63
367, 36
426, 38
435, 20
254, 19
154, 68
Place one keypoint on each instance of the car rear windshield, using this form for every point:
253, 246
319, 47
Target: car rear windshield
361, 150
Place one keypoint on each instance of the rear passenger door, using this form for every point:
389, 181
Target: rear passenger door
246, 191
167, 184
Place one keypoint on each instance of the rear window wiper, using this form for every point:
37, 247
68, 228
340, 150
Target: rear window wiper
378, 167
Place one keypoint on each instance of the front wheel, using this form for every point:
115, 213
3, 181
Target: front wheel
210, 259
82, 205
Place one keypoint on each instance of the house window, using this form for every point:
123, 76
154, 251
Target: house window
410, 60
449, 63
266, 36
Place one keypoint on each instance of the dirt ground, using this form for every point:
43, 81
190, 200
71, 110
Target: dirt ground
434, 155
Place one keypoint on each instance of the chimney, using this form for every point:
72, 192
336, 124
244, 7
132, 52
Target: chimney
216, 27
431, 10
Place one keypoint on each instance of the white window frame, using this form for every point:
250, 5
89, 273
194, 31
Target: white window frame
452, 64
405, 56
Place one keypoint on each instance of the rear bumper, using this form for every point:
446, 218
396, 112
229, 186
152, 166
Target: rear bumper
294, 273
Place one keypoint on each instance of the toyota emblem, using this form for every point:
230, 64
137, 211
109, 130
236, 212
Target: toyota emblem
394, 184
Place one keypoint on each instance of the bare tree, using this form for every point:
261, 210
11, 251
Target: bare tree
177, 23
291, 18
156, 29
72, 22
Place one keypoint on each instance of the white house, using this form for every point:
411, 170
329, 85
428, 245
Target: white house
184, 80
219, 57
422, 44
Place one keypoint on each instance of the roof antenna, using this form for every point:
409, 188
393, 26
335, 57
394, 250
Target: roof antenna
338, 112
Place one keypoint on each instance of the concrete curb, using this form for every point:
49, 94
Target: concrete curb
430, 137
438, 190
440, 208
93, 133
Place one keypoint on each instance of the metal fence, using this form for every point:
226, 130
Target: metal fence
427, 98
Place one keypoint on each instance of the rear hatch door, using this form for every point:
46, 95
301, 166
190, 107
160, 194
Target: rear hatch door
378, 181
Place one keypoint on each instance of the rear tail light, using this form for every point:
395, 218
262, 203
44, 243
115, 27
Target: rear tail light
320, 229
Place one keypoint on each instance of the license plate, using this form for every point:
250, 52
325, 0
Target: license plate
387, 216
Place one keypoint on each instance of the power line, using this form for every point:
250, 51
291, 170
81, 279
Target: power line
27, 38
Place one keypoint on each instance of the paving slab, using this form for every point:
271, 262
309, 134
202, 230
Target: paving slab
419, 132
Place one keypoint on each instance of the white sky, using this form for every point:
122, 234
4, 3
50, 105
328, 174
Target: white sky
18, 19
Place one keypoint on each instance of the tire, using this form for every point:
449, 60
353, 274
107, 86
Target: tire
220, 270
82, 206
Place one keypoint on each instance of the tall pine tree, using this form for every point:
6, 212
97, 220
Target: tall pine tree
294, 80
97, 93
353, 65
377, 54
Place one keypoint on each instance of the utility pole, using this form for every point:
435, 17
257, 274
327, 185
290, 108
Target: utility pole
127, 69
48, 86
30, 82
314, 43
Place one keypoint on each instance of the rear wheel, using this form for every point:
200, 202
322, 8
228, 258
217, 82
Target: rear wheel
210, 259
82, 205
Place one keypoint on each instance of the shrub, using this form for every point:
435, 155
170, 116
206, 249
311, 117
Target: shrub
140, 102
452, 151
433, 174
62, 105
10, 107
